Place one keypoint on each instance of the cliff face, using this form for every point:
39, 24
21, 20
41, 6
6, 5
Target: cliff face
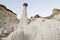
8, 20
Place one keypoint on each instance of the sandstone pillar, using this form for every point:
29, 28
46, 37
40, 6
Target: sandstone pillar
23, 20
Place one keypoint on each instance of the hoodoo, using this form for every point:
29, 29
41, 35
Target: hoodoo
23, 20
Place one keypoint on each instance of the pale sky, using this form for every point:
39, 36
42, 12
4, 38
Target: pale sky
41, 7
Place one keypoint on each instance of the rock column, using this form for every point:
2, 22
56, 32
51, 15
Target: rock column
23, 20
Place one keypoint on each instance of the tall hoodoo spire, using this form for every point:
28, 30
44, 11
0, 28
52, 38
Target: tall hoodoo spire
23, 20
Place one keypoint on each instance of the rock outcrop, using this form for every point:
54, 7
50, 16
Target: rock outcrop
8, 21
40, 28
55, 14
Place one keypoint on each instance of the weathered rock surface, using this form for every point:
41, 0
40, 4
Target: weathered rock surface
42, 28
8, 21
38, 30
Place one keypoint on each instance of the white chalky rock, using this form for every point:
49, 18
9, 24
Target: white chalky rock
41, 29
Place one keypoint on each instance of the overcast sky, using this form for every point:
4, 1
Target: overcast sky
41, 7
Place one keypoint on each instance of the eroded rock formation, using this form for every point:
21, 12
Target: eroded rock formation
8, 21
41, 28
